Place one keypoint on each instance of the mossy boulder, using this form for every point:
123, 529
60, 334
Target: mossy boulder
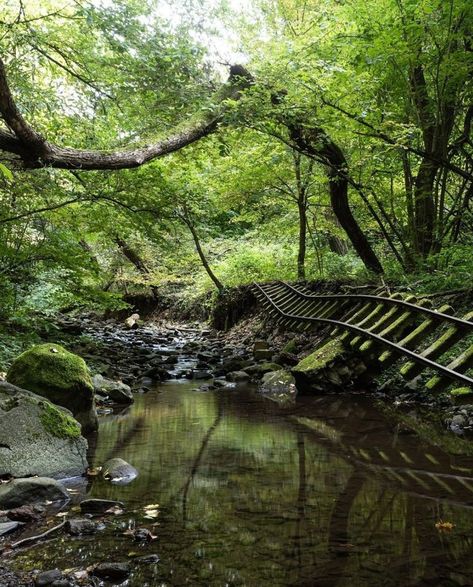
37, 437
330, 367
62, 377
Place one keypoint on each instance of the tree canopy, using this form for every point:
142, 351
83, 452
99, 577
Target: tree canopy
198, 145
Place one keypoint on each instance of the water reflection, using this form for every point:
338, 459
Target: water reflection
326, 492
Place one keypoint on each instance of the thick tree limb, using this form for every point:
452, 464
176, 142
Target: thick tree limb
35, 151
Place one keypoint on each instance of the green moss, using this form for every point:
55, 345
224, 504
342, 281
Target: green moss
290, 347
50, 368
57, 423
321, 357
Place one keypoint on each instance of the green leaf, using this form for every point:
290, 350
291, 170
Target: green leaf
6, 172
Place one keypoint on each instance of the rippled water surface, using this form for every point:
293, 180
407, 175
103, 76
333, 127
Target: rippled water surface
327, 492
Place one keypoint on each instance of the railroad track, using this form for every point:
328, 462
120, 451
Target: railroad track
384, 328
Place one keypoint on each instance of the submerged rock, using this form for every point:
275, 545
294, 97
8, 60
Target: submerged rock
119, 471
32, 490
37, 437
60, 376
79, 526
279, 386
98, 506
112, 571
118, 392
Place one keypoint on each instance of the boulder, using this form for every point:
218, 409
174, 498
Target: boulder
279, 386
331, 367
37, 437
60, 376
238, 376
119, 471
31, 490
118, 392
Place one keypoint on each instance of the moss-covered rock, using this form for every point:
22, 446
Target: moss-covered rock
38, 438
62, 377
329, 367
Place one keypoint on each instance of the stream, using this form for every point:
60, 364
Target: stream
326, 491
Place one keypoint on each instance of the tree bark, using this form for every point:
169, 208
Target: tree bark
314, 142
35, 151
185, 217
136, 260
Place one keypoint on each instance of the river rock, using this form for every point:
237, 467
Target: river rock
331, 367
262, 368
238, 376
62, 377
112, 571
7, 527
118, 392
98, 506
26, 513
79, 526
132, 321
48, 577
279, 386
31, 490
119, 471
37, 437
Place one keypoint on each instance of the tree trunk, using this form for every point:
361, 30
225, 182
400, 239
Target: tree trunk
302, 239
314, 142
137, 261
188, 222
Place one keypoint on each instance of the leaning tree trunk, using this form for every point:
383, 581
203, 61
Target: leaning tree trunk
314, 142
188, 222
136, 261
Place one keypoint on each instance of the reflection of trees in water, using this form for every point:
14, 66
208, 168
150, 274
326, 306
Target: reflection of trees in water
198, 458
312, 513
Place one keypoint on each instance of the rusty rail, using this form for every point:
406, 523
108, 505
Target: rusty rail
388, 328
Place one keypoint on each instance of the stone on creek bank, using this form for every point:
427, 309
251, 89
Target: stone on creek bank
48, 578
60, 376
37, 437
119, 471
32, 490
330, 367
118, 392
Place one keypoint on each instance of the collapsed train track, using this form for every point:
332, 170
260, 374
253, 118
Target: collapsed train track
384, 328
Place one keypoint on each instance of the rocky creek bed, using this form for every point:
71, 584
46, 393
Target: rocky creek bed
197, 468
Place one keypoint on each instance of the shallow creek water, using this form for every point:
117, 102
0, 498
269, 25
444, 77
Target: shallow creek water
326, 492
